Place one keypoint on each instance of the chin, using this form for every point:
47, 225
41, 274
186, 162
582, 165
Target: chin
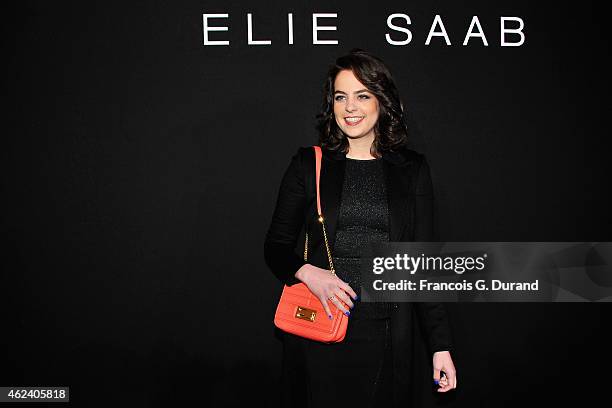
353, 133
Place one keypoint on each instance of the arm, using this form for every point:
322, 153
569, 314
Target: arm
287, 221
279, 246
432, 314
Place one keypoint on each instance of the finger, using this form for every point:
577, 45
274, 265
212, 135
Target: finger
453, 381
443, 379
326, 307
444, 383
436, 375
445, 388
345, 287
451, 378
340, 305
345, 298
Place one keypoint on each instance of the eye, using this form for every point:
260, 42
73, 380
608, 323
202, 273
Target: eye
337, 98
364, 96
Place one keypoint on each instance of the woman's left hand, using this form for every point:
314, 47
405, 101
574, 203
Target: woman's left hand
442, 361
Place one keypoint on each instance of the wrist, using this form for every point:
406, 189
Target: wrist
301, 273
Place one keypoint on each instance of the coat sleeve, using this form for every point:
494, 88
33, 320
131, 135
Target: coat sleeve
287, 221
433, 315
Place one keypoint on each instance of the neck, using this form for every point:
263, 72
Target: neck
360, 148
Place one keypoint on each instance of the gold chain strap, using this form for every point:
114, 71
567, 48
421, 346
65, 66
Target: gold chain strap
329, 256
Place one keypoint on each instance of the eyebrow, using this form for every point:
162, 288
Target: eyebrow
356, 92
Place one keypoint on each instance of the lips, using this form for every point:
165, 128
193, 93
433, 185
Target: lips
353, 120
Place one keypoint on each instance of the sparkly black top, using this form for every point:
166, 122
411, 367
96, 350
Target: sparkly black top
363, 218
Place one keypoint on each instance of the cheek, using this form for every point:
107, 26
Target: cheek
373, 112
372, 108
337, 108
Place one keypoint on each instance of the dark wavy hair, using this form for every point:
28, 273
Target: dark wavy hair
390, 129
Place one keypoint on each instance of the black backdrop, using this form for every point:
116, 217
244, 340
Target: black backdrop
140, 170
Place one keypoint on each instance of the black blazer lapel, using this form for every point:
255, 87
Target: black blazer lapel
330, 187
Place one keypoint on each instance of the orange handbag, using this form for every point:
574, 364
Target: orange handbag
299, 311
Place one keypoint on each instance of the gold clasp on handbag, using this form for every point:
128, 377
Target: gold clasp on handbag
305, 314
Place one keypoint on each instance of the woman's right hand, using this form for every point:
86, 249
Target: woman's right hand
327, 287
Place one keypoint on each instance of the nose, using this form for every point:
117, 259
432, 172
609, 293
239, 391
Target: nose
350, 104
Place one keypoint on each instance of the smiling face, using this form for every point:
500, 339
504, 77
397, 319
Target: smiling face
355, 108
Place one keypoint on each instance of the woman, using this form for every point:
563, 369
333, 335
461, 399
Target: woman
372, 188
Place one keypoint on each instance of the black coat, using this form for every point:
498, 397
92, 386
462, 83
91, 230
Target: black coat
410, 203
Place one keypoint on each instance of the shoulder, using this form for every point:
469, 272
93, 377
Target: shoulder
412, 155
302, 151
405, 156
301, 159
305, 155
300, 154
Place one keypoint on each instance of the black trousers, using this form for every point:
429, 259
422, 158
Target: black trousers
355, 372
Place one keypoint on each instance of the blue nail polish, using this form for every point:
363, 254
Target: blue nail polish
347, 313
436, 382
330, 317
356, 297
